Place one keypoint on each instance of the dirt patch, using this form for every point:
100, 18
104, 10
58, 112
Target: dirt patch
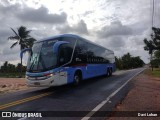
12, 84
145, 96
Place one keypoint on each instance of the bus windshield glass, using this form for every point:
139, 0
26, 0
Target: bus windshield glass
42, 57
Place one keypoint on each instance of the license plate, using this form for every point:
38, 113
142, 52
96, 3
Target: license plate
36, 83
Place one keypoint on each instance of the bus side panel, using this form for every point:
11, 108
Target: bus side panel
88, 71
70, 75
96, 69
71, 71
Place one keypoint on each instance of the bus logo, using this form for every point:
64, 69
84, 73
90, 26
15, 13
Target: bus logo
6, 114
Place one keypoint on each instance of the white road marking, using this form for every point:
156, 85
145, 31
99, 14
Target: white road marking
89, 115
25, 118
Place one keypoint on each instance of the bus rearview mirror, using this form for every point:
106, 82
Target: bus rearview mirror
23, 51
57, 45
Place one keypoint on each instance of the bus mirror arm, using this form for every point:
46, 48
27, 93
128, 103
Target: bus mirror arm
23, 51
57, 45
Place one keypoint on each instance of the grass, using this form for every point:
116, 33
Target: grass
11, 75
154, 73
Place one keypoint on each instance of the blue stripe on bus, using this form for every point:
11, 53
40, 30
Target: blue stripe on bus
88, 71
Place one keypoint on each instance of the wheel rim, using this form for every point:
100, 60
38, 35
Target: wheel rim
108, 72
76, 79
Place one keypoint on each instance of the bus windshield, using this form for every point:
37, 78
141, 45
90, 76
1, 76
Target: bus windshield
42, 57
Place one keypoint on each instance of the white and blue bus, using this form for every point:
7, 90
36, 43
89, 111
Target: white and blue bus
66, 59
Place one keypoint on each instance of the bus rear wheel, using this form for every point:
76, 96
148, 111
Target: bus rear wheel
110, 72
107, 73
77, 78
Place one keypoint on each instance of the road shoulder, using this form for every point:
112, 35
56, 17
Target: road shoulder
144, 96
9, 85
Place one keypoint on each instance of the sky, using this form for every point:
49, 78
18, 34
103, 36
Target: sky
119, 25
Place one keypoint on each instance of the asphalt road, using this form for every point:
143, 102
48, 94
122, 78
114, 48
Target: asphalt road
94, 97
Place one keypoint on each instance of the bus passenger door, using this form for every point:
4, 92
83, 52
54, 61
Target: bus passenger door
62, 74
64, 58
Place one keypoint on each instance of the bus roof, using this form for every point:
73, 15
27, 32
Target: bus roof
71, 35
62, 35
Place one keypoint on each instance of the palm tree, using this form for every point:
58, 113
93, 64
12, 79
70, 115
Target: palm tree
22, 38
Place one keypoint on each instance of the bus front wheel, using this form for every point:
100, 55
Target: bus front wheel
77, 78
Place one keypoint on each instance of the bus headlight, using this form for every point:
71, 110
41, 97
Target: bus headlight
48, 75
45, 76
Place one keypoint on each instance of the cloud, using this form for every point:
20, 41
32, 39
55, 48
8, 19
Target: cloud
114, 29
7, 54
10, 9
29, 14
87, 13
3, 36
114, 36
8, 51
80, 28
41, 15
111, 23
116, 42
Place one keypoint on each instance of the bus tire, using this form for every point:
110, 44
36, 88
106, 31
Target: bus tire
107, 74
77, 78
110, 72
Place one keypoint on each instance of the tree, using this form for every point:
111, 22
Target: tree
136, 62
4, 67
22, 37
154, 43
119, 63
156, 38
10, 68
155, 62
157, 54
128, 62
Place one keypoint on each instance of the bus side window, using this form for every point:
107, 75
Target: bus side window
80, 53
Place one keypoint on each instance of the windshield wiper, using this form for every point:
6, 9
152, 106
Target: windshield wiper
33, 63
41, 61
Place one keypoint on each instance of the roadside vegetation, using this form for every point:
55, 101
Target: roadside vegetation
22, 38
12, 75
152, 45
128, 62
8, 70
154, 73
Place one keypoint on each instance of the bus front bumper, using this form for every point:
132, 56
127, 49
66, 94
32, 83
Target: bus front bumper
44, 81
40, 83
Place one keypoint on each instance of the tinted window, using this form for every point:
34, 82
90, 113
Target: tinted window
80, 53
90, 53
42, 57
66, 50
65, 54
